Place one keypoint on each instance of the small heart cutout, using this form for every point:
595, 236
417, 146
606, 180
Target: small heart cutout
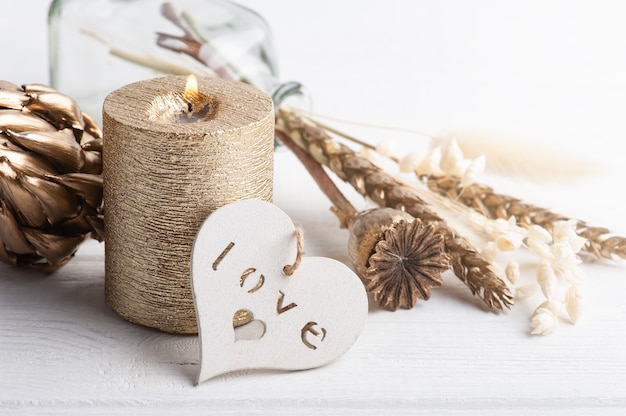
254, 329
296, 322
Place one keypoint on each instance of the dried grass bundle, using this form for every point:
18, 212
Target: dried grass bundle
483, 199
387, 191
398, 258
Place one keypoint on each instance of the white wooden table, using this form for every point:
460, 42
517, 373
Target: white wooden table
549, 71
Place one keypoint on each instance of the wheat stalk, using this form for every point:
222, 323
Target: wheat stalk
491, 204
385, 190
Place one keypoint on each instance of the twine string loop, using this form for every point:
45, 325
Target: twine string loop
290, 269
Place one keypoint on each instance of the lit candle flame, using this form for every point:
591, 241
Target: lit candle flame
191, 88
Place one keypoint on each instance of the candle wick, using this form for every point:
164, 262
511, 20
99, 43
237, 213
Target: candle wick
189, 110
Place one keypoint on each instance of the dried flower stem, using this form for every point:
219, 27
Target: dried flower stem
385, 190
147, 60
342, 207
486, 201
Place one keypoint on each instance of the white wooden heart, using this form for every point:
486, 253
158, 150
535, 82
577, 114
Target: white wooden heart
301, 321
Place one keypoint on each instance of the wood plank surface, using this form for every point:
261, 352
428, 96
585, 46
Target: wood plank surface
550, 71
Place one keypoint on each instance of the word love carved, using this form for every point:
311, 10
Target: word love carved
307, 329
302, 321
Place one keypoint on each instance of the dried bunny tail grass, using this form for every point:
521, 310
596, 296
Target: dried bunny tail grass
483, 199
504, 153
385, 190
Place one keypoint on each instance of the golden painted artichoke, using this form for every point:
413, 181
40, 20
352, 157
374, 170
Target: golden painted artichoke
50, 177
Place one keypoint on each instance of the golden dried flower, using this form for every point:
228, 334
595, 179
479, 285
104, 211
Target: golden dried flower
406, 264
50, 177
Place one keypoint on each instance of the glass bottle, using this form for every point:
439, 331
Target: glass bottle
97, 46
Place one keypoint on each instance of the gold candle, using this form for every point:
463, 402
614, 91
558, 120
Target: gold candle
171, 156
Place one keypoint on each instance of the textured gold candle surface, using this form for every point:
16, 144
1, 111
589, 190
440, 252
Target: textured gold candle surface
163, 178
